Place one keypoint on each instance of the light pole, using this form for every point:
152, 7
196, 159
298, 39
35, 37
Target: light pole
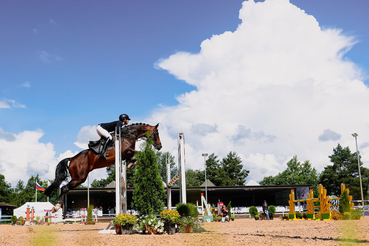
206, 185
358, 164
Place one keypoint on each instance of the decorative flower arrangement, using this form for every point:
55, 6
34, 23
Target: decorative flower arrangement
188, 222
170, 216
149, 224
124, 219
336, 215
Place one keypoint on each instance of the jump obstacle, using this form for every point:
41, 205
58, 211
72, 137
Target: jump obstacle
325, 206
181, 175
120, 183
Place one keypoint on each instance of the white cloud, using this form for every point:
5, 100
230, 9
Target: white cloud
329, 135
26, 84
271, 88
86, 134
47, 58
4, 104
23, 155
10, 103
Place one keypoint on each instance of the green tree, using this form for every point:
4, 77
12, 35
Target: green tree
194, 178
344, 170
297, 173
232, 171
214, 170
5, 191
163, 158
148, 194
228, 172
16, 198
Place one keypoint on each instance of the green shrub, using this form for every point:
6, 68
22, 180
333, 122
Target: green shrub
229, 209
186, 210
13, 219
271, 209
124, 219
356, 214
298, 215
347, 216
89, 213
344, 205
253, 211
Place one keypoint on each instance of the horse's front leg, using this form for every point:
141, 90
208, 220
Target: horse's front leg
131, 159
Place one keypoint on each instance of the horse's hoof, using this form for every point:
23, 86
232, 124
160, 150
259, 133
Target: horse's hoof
132, 164
56, 208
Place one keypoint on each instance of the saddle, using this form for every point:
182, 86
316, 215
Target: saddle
97, 146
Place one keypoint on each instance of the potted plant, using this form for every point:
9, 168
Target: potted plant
149, 224
187, 224
253, 211
257, 217
232, 218
271, 211
21, 221
124, 223
171, 218
262, 215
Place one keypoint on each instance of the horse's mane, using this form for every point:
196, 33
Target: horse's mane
128, 129
139, 124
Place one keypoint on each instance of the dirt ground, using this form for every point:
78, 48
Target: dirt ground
238, 232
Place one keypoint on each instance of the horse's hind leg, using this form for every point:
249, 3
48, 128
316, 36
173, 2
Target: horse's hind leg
64, 190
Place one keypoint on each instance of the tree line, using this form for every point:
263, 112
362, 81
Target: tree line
227, 171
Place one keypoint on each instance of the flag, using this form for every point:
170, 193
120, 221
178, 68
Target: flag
39, 187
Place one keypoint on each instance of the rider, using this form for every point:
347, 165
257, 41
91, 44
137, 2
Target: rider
103, 130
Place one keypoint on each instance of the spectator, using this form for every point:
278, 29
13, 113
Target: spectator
225, 213
265, 209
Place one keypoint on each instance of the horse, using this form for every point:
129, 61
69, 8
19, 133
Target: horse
87, 160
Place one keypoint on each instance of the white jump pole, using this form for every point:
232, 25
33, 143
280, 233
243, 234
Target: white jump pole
118, 173
182, 169
169, 193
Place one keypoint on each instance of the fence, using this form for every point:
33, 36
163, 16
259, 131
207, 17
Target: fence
5, 219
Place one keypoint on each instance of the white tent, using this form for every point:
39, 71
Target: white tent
39, 207
252, 182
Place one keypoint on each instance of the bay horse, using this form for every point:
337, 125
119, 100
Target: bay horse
87, 160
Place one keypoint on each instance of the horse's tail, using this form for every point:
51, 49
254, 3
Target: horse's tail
61, 173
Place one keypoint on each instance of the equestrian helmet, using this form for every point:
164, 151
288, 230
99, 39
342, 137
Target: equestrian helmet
123, 117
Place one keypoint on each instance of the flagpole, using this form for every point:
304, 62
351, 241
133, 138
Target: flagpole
36, 194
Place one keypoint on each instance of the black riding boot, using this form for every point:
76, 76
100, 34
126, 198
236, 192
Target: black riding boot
103, 152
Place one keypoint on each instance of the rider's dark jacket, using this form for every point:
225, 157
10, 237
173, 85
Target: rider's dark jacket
110, 126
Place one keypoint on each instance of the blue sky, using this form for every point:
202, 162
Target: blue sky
67, 65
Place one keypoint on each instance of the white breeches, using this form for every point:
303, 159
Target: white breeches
103, 133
